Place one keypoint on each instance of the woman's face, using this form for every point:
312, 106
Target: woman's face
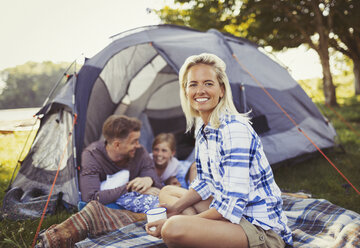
162, 154
203, 90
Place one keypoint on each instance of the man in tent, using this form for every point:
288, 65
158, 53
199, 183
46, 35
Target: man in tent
120, 154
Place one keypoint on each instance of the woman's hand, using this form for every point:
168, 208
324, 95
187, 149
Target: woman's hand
170, 210
154, 228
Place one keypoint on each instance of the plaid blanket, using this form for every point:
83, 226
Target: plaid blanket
318, 223
133, 235
314, 222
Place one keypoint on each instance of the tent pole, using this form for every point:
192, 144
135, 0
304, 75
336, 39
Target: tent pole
243, 97
57, 83
77, 168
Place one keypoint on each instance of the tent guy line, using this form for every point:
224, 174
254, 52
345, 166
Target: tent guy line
53, 184
342, 119
298, 127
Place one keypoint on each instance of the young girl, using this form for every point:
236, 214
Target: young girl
170, 170
163, 151
234, 200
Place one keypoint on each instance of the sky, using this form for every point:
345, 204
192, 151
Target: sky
68, 30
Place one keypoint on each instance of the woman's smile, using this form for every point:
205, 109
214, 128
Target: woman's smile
201, 99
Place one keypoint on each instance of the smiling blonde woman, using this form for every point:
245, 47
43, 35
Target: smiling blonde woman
234, 200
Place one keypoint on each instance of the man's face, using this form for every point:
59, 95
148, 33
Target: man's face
127, 147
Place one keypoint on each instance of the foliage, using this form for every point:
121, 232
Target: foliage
203, 15
346, 34
29, 84
346, 27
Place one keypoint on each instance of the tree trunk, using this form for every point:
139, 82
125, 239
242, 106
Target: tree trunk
329, 88
356, 70
323, 27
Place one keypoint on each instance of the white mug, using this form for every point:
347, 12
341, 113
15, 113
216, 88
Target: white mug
154, 215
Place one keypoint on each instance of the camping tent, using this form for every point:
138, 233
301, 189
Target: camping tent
136, 75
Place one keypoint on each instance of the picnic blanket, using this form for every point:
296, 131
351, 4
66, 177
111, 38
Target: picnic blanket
314, 223
133, 235
319, 223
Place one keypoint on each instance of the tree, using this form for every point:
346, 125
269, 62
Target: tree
346, 34
291, 23
276, 23
29, 84
203, 15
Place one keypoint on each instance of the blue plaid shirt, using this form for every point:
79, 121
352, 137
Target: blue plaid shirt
232, 167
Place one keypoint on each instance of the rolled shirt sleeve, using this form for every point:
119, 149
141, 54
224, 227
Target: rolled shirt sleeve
201, 188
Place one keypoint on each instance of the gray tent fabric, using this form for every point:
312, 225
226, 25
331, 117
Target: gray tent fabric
137, 75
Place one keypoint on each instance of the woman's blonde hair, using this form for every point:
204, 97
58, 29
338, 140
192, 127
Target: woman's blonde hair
225, 105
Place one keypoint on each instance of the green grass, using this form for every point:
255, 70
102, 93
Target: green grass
22, 233
19, 233
13, 147
315, 176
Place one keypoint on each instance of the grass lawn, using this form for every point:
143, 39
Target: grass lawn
315, 176
20, 233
